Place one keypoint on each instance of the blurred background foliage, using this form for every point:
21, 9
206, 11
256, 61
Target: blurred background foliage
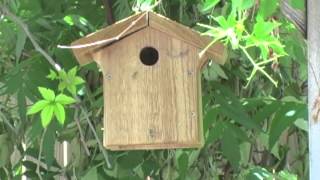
255, 114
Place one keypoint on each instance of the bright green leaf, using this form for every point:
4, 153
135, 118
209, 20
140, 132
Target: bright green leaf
72, 72
53, 75
47, 94
78, 80
59, 112
46, 115
64, 100
38, 106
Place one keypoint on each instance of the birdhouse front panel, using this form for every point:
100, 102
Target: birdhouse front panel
151, 92
151, 69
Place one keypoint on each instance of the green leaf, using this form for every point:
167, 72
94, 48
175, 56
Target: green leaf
298, 4
230, 148
258, 173
21, 40
183, 165
215, 133
231, 107
64, 100
22, 105
287, 114
78, 80
46, 115
240, 5
131, 160
48, 146
53, 75
267, 8
72, 89
47, 94
38, 106
72, 72
285, 175
209, 4
91, 174
209, 118
59, 113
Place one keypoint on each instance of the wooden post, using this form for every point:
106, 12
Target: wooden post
313, 86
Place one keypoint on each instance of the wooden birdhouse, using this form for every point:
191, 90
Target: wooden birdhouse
151, 85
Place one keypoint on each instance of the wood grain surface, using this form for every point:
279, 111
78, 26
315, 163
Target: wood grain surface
151, 107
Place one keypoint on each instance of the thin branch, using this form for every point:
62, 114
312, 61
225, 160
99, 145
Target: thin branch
39, 155
41, 164
105, 155
104, 41
6, 121
25, 28
258, 68
81, 133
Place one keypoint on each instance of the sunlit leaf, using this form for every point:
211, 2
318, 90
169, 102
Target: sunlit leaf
46, 115
47, 94
38, 106
63, 99
59, 112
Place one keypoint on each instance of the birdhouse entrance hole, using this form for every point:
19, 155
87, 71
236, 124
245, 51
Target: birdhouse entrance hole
149, 56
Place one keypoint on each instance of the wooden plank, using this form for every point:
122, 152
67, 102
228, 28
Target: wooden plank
150, 106
313, 86
216, 52
153, 146
84, 55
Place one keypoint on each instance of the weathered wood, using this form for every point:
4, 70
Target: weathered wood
296, 16
151, 107
84, 55
217, 52
313, 86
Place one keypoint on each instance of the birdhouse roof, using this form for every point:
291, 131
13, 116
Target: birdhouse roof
121, 29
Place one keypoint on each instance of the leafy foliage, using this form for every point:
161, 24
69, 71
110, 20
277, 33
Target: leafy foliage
254, 106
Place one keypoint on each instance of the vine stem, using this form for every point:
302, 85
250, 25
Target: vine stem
81, 133
105, 155
25, 28
57, 67
40, 152
256, 67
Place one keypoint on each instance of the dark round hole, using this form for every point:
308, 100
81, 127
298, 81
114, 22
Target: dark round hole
149, 56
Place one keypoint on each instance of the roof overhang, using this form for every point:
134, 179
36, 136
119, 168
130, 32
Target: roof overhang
132, 24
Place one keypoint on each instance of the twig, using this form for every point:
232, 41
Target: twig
257, 67
40, 152
7, 173
104, 41
25, 28
41, 164
95, 135
81, 134
5, 120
